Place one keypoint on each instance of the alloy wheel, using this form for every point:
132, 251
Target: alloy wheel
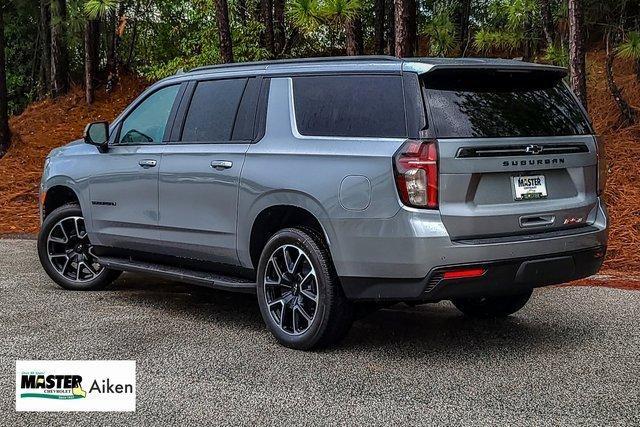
291, 289
70, 252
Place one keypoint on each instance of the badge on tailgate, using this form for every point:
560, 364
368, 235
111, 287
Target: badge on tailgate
529, 187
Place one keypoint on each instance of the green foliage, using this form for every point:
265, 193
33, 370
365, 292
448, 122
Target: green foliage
95, 9
630, 48
557, 55
21, 33
486, 40
198, 41
180, 34
509, 26
340, 11
305, 14
441, 32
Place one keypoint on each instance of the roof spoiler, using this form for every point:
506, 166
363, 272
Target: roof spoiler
498, 66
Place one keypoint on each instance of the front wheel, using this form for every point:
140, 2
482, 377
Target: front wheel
66, 253
300, 297
497, 306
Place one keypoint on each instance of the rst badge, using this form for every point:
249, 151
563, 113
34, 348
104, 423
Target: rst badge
75, 385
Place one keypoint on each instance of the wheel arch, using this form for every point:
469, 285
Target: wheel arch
276, 217
56, 196
58, 190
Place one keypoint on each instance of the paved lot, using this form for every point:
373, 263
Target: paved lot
572, 356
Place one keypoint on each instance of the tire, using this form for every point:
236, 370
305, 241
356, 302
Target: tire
295, 266
66, 253
488, 307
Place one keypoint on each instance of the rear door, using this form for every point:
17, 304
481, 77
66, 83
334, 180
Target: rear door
516, 153
200, 171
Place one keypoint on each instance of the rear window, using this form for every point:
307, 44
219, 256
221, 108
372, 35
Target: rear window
466, 104
350, 106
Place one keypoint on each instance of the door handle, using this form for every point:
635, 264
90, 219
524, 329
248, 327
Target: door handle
147, 163
537, 221
221, 164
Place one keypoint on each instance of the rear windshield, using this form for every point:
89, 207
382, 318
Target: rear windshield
351, 106
493, 104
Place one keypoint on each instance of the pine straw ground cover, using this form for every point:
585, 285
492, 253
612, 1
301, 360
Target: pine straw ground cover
48, 124
40, 128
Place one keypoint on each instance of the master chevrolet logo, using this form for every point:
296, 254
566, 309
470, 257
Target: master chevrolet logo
52, 386
75, 385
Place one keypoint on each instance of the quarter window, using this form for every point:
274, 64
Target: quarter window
147, 122
350, 106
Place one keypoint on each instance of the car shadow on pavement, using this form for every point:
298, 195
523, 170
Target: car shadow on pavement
440, 328
401, 330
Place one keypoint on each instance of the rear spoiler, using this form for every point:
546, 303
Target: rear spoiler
431, 65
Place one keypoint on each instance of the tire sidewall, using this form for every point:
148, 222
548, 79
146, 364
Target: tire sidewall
304, 242
103, 279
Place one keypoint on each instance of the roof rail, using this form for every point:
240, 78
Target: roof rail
297, 61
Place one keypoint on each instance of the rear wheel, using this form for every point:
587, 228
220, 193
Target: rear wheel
498, 306
299, 294
66, 253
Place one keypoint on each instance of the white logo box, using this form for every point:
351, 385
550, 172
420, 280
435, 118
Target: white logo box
76, 385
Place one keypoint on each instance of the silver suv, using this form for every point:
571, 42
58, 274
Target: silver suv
331, 185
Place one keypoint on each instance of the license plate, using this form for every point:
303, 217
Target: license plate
529, 187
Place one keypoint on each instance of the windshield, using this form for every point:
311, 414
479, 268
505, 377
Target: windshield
492, 104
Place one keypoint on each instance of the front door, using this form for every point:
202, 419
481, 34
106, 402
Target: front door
124, 186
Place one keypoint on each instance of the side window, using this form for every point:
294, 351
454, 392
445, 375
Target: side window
350, 106
213, 110
147, 122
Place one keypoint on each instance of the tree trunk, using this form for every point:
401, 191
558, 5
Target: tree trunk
547, 22
359, 36
266, 15
278, 30
90, 59
45, 37
391, 27
462, 22
59, 56
378, 26
224, 31
113, 59
134, 35
5, 137
628, 114
110, 28
405, 26
577, 53
353, 32
242, 12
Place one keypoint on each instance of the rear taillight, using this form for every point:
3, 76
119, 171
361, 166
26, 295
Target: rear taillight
416, 170
602, 165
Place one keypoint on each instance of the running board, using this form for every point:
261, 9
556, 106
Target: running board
195, 277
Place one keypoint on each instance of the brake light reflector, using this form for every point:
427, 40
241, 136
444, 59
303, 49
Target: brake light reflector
602, 165
416, 172
465, 273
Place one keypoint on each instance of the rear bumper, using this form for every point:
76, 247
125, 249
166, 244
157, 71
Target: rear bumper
504, 277
395, 259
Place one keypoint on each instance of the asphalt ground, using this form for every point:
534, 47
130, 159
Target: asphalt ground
571, 356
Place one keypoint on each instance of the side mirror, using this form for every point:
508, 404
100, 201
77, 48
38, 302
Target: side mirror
97, 133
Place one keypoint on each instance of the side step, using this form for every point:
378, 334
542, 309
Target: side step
195, 277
